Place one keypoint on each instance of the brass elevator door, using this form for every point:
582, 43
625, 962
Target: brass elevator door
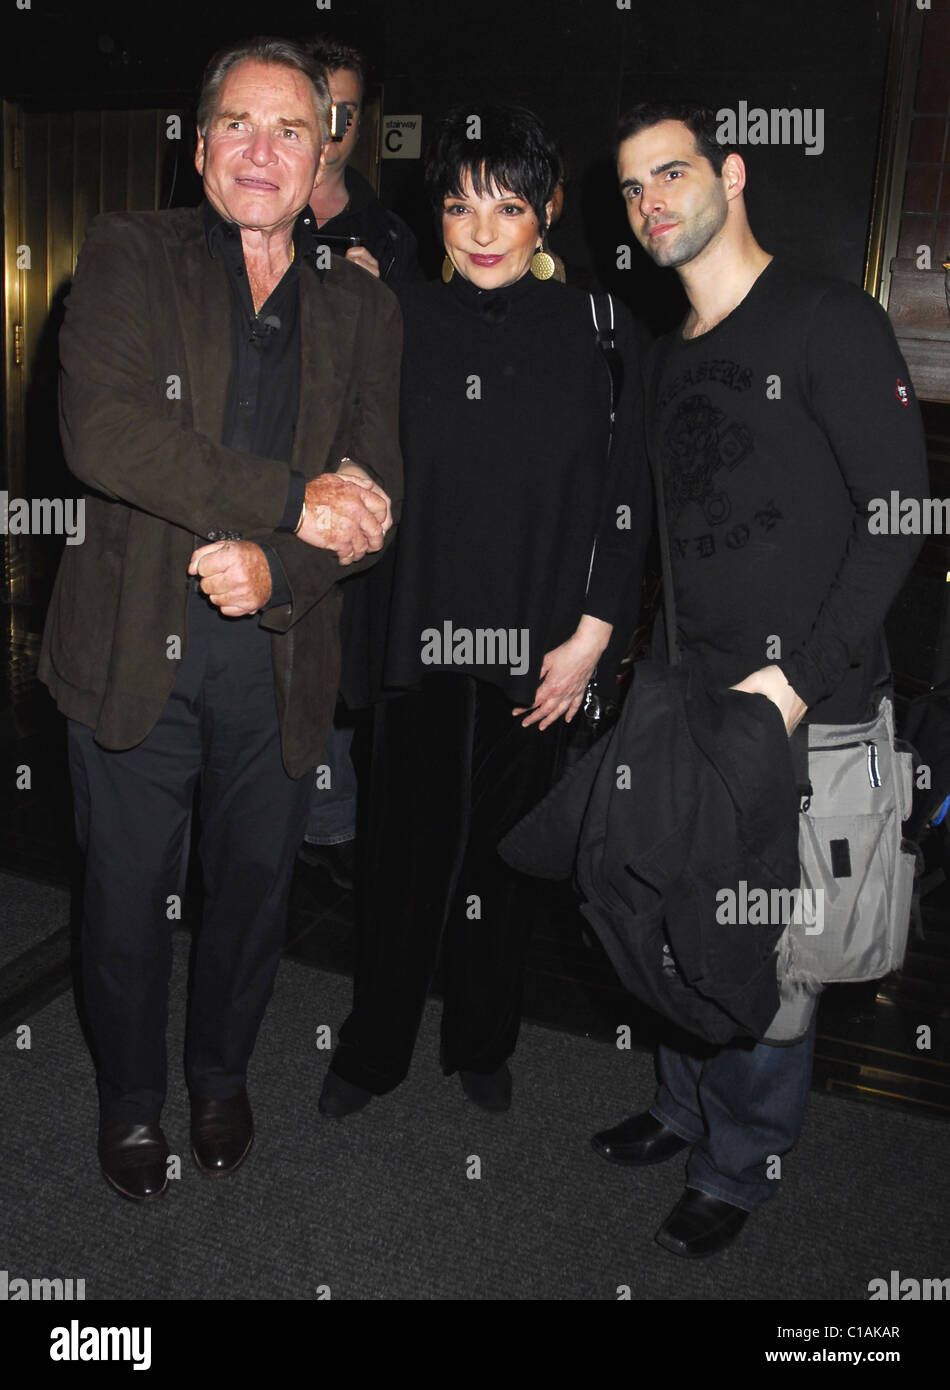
60, 169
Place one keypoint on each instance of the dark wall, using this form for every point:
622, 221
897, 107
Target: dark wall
577, 62
122, 52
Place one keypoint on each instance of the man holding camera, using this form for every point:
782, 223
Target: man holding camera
351, 222
350, 218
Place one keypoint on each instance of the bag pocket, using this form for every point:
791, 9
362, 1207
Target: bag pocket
848, 874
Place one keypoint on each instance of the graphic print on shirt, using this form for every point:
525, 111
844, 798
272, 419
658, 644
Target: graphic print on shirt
702, 444
699, 445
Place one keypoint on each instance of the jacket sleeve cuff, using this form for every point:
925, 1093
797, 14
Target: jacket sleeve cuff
295, 496
280, 593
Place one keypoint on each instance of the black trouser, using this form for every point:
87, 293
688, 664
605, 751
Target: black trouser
219, 733
452, 772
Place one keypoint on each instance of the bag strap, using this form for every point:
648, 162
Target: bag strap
656, 468
614, 364
798, 748
608, 347
602, 312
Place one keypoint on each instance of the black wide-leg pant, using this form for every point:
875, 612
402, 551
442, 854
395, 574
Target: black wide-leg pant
218, 734
452, 772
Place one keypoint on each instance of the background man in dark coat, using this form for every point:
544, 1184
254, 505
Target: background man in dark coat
232, 410
343, 202
345, 206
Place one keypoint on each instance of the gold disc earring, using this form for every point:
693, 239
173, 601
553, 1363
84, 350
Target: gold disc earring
448, 270
542, 264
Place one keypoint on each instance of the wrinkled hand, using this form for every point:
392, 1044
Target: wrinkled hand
234, 574
356, 474
344, 515
361, 255
565, 672
770, 681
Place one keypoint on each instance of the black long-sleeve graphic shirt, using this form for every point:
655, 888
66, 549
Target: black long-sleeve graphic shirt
775, 431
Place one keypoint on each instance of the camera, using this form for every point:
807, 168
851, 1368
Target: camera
341, 118
337, 245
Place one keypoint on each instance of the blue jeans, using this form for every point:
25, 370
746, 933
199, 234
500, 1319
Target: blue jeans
741, 1109
332, 819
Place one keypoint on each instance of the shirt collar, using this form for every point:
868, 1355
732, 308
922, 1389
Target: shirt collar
219, 232
494, 305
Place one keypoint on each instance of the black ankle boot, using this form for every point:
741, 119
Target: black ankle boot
490, 1091
340, 1098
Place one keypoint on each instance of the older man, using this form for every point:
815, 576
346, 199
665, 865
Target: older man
230, 403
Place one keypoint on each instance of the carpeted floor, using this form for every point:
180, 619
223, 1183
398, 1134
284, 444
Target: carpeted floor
381, 1206
30, 913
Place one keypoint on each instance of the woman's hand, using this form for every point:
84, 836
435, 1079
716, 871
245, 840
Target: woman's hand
565, 672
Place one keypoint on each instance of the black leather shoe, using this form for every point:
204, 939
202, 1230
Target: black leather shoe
339, 861
700, 1225
134, 1159
489, 1091
340, 1098
222, 1132
640, 1140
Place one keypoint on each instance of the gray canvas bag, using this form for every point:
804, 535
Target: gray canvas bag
857, 869
859, 781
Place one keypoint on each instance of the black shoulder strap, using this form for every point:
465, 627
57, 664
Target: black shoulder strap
602, 310
656, 463
798, 747
604, 331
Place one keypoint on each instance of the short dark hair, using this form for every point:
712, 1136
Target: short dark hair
333, 56
699, 120
281, 53
510, 151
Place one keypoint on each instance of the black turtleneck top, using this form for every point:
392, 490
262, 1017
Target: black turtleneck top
505, 427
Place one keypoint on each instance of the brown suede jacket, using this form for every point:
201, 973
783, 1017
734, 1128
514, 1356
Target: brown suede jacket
149, 303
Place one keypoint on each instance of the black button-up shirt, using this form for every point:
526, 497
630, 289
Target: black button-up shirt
264, 385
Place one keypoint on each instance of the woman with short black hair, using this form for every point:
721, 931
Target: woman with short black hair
501, 604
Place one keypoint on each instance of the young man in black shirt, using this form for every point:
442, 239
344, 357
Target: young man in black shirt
777, 411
